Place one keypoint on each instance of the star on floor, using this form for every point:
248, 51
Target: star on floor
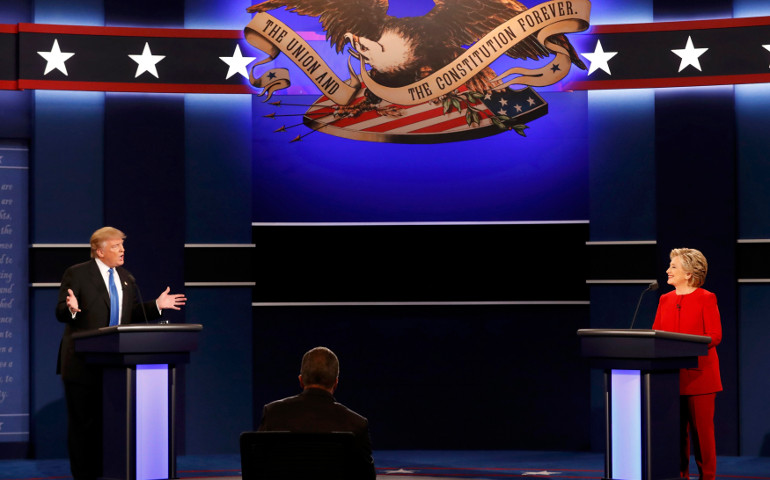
237, 63
541, 473
689, 55
55, 59
599, 59
147, 62
399, 471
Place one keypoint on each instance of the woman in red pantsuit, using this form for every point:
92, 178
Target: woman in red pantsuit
691, 309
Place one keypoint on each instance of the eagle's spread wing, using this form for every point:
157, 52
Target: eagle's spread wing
364, 18
466, 21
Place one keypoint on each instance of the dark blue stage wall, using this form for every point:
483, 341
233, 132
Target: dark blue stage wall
449, 277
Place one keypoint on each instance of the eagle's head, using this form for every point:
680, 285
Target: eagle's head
392, 52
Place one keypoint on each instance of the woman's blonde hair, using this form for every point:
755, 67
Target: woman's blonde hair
694, 262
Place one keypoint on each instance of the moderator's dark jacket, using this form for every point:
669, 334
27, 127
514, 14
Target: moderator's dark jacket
316, 411
87, 284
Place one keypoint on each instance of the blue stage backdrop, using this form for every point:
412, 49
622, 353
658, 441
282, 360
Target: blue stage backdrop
323, 178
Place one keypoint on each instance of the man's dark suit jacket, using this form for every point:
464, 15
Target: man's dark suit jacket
316, 411
87, 284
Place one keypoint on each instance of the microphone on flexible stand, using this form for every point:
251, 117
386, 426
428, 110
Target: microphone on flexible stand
653, 286
139, 294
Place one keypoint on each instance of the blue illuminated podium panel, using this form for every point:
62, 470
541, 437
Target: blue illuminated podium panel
641, 388
139, 394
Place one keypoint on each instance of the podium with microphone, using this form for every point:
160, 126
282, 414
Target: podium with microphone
139, 375
641, 391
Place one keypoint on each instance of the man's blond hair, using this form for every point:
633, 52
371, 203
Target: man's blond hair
100, 237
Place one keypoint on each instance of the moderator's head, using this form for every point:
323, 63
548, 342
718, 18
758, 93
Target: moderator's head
320, 367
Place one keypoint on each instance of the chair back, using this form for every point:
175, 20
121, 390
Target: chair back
287, 455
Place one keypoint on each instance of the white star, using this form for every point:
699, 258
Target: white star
517, 107
767, 47
55, 59
689, 55
146, 62
502, 112
543, 472
599, 59
503, 102
400, 470
530, 101
237, 63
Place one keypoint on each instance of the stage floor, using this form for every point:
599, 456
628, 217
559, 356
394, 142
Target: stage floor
413, 464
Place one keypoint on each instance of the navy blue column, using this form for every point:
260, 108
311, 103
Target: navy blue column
697, 208
697, 197
144, 180
144, 193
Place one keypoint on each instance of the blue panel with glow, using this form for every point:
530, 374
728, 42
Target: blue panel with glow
152, 422
218, 168
74, 12
626, 423
218, 14
501, 178
751, 107
621, 11
622, 166
15, 12
67, 149
751, 8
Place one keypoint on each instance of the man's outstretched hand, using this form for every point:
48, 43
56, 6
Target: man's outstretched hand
172, 301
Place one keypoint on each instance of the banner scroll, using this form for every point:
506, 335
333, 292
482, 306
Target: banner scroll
272, 36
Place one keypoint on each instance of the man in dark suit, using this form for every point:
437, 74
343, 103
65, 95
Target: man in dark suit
96, 294
315, 410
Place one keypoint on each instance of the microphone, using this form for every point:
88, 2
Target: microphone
653, 286
139, 294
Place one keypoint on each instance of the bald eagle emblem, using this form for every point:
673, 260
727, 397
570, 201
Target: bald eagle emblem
422, 79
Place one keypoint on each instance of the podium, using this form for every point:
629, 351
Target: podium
641, 392
139, 375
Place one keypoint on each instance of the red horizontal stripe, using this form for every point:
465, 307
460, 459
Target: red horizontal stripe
669, 82
8, 28
129, 31
442, 126
132, 87
685, 25
408, 120
9, 85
